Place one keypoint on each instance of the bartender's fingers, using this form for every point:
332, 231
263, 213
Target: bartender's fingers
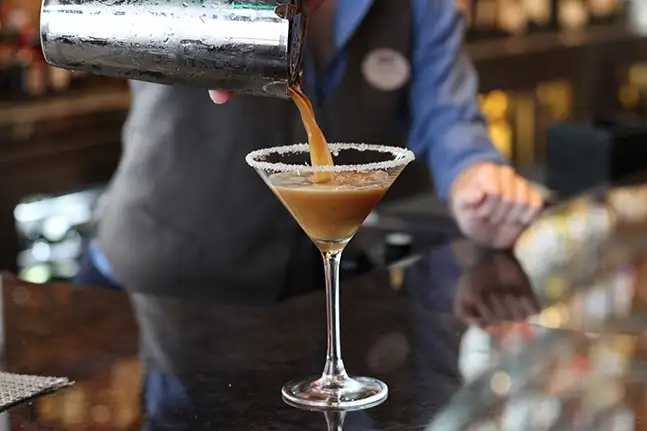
219, 97
507, 189
488, 181
519, 211
485, 313
498, 308
527, 203
512, 304
535, 204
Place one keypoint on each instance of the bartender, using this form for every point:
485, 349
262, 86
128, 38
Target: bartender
185, 214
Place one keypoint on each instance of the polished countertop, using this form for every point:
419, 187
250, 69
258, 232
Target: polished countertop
545, 337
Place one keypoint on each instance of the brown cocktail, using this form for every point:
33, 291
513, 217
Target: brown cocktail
330, 202
330, 212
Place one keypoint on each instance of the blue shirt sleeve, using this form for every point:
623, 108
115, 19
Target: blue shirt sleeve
446, 124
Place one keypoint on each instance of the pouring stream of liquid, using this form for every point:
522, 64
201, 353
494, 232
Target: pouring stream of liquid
319, 151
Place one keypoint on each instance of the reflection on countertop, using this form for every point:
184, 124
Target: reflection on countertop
580, 362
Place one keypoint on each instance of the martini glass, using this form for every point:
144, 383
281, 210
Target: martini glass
330, 214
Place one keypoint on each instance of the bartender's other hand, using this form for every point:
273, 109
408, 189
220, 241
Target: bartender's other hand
220, 97
493, 205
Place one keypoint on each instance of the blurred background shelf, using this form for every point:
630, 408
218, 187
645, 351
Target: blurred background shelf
59, 145
83, 102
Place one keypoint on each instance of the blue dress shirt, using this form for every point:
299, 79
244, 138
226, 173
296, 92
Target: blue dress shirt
444, 119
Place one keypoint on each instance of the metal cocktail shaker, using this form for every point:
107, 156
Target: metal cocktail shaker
251, 46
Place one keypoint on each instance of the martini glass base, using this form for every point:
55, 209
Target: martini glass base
336, 393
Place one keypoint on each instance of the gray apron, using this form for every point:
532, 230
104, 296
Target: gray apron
184, 213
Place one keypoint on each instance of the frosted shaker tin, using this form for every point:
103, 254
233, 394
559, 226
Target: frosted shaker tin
253, 47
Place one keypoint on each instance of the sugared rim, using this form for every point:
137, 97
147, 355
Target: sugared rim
402, 157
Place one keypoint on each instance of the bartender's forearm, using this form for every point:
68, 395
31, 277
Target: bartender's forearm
447, 125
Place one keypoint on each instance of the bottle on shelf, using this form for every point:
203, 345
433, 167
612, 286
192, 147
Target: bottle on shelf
23, 67
500, 18
484, 20
32, 76
496, 18
6, 55
573, 15
606, 11
541, 14
512, 17
8, 48
24, 73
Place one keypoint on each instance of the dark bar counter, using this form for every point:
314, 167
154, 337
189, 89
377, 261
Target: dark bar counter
547, 337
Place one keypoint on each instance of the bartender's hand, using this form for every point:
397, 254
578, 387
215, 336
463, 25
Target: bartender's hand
219, 97
493, 205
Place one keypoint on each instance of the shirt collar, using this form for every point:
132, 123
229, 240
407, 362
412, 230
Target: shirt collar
350, 14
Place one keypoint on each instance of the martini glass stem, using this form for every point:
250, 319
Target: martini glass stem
334, 368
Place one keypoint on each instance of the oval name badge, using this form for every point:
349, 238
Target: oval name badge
386, 69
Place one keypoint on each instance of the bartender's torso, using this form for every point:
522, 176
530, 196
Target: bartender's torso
184, 210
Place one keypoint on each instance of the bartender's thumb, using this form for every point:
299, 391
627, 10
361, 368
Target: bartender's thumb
219, 97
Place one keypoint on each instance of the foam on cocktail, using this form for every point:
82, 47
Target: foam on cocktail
332, 212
